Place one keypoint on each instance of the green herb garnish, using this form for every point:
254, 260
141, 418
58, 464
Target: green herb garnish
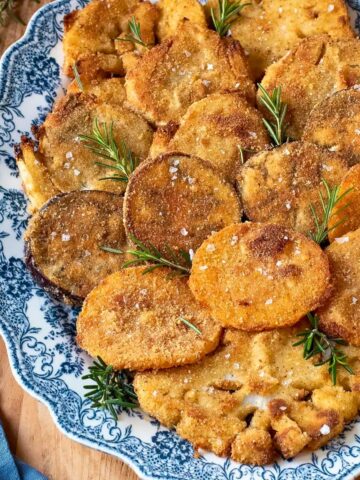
134, 36
277, 109
77, 77
228, 11
190, 325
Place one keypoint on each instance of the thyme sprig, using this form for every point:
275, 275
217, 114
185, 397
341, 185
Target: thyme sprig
316, 342
179, 261
277, 108
102, 143
190, 325
228, 11
134, 36
109, 388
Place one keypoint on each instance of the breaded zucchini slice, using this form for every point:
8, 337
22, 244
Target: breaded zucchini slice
107, 90
134, 321
317, 67
340, 315
221, 128
178, 200
253, 399
192, 64
334, 123
64, 239
255, 276
280, 185
173, 13
71, 164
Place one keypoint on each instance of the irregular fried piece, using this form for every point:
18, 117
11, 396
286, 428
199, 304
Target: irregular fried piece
178, 200
167, 79
340, 315
280, 185
172, 13
255, 276
346, 214
162, 138
71, 165
216, 128
133, 321
316, 68
334, 123
253, 396
108, 90
63, 240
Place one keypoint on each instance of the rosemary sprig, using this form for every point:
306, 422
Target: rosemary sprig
103, 144
190, 325
135, 34
318, 343
327, 204
273, 103
110, 388
179, 261
77, 77
7, 9
228, 11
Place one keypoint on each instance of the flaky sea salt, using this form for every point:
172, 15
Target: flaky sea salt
325, 429
203, 267
269, 301
184, 232
65, 237
342, 240
210, 247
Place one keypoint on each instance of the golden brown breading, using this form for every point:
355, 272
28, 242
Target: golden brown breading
215, 129
255, 276
253, 397
167, 79
334, 123
172, 13
108, 90
316, 68
71, 165
280, 185
340, 315
178, 200
133, 321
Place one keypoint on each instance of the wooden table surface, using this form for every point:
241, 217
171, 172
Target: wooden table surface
32, 435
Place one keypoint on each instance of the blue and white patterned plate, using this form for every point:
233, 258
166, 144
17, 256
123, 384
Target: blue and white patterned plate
39, 333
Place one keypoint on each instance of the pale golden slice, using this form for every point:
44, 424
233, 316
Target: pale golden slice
280, 185
133, 321
256, 397
108, 90
178, 200
334, 124
255, 276
192, 64
340, 315
319, 66
173, 13
221, 128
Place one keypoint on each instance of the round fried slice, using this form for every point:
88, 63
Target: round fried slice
316, 68
73, 166
255, 276
255, 397
172, 13
340, 316
167, 79
134, 321
178, 200
280, 185
346, 215
63, 243
334, 123
108, 90
216, 128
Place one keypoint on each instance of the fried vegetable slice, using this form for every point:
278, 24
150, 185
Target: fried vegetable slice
280, 185
316, 68
172, 13
340, 315
177, 200
253, 398
334, 123
107, 90
63, 240
221, 128
134, 321
255, 276
195, 62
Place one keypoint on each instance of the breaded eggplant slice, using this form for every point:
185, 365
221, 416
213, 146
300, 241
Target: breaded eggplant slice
334, 124
192, 64
345, 217
256, 277
178, 200
340, 315
279, 186
252, 399
64, 239
317, 67
268, 29
71, 164
173, 13
221, 128
107, 90
133, 321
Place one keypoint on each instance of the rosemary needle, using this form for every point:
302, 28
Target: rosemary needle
273, 103
228, 11
77, 77
135, 34
190, 325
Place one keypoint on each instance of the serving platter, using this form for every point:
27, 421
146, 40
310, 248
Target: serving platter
40, 333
